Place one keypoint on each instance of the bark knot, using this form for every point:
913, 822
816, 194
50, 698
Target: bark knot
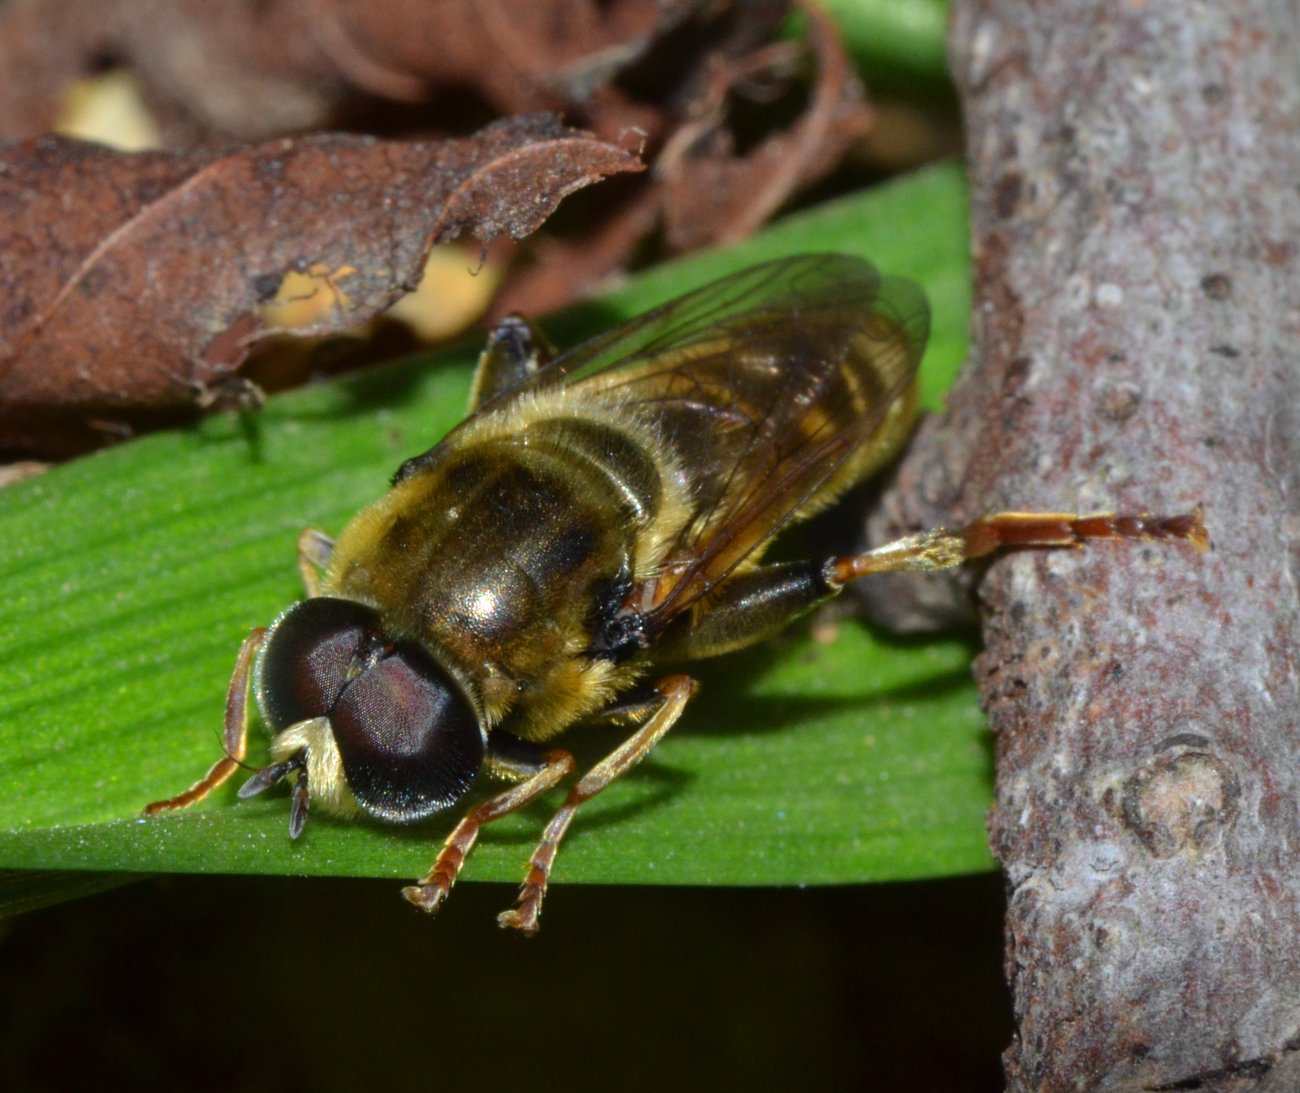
1182, 799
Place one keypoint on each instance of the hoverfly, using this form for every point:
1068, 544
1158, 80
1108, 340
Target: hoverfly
597, 515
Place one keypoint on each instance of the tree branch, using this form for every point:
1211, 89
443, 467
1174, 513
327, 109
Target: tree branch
1136, 346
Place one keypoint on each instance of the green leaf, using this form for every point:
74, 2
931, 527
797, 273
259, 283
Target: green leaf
897, 45
23, 890
133, 575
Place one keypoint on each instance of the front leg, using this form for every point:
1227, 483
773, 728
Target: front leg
674, 692
539, 775
315, 549
234, 740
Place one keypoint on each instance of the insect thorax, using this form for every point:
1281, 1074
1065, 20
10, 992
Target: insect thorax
502, 553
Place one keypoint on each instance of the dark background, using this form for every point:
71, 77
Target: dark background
252, 983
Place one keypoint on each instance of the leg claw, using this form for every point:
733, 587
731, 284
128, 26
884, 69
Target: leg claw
519, 919
427, 897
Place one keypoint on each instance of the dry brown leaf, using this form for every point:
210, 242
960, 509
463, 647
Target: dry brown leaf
702, 191
242, 69
712, 195
664, 72
252, 69
137, 281
519, 54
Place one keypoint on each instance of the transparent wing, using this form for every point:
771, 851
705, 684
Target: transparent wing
772, 389
798, 392
702, 317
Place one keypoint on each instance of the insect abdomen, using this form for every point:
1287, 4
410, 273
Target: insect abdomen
611, 454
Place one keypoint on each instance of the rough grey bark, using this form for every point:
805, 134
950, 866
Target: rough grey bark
1136, 346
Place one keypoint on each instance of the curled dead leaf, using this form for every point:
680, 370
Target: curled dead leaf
253, 69
702, 190
685, 81
711, 195
138, 281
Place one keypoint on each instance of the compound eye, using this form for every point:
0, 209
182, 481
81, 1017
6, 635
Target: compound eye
408, 738
310, 654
